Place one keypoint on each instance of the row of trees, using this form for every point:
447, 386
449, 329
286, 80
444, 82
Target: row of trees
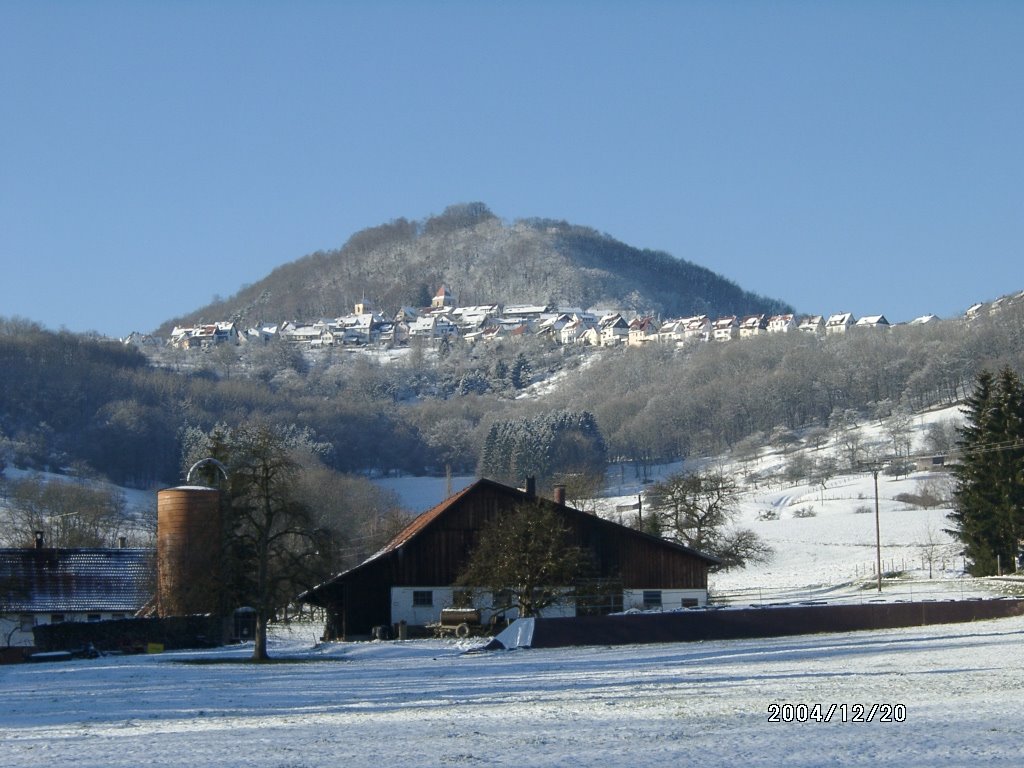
659, 403
75, 513
547, 446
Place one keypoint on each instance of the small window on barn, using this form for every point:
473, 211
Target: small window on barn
56, 618
652, 598
422, 597
93, 617
462, 598
117, 615
503, 599
27, 621
690, 602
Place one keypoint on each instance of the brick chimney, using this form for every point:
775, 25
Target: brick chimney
40, 539
560, 495
531, 487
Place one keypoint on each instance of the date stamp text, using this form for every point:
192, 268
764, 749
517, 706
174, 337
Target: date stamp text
840, 713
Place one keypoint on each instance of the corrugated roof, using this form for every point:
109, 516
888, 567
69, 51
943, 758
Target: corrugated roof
75, 580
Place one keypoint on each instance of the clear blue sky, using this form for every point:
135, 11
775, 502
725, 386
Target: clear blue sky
843, 156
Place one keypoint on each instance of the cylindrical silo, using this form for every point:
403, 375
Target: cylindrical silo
189, 550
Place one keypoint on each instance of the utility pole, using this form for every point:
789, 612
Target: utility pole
874, 468
878, 533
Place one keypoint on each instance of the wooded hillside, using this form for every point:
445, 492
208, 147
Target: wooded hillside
482, 260
68, 399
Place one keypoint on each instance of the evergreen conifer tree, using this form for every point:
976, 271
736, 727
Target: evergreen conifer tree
521, 372
989, 498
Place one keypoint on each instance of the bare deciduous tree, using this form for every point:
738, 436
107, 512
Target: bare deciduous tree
526, 555
697, 509
69, 513
272, 535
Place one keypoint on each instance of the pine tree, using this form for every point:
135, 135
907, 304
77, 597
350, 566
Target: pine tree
989, 498
521, 372
558, 443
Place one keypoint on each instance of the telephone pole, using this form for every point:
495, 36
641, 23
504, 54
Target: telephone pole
874, 468
878, 532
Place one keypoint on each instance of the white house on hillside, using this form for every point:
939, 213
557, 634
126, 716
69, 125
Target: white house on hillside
613, 330
433, 327
781, 323
725, 328
872, 321
839, 323
812, 324
753, 325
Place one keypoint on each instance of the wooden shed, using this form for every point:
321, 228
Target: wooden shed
412, 578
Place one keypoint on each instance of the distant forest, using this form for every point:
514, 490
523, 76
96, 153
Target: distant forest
78, 403
483, 261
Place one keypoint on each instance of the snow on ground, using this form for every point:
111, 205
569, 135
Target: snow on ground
825, 539
947, 696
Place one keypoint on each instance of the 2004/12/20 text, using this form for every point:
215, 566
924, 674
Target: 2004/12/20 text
843, 713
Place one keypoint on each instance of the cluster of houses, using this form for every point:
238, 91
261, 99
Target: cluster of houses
444, 320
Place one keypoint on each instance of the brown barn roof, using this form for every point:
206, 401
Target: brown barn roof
421, 521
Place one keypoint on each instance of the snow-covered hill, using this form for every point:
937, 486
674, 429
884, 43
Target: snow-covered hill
825, 539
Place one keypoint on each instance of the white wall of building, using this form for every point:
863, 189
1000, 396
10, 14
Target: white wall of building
671, 599
409, 604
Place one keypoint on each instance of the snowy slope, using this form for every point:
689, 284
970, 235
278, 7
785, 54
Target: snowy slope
833, 553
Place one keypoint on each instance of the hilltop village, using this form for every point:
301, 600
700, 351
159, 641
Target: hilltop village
445, 321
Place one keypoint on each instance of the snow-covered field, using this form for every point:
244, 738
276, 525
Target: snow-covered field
946, 695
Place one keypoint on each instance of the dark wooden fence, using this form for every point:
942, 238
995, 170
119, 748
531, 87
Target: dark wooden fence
131, 635
769, 621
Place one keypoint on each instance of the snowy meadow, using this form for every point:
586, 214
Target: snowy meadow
947, 696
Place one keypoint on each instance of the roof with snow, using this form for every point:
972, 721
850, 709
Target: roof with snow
43, 580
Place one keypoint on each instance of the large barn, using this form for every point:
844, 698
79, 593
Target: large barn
414, 575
